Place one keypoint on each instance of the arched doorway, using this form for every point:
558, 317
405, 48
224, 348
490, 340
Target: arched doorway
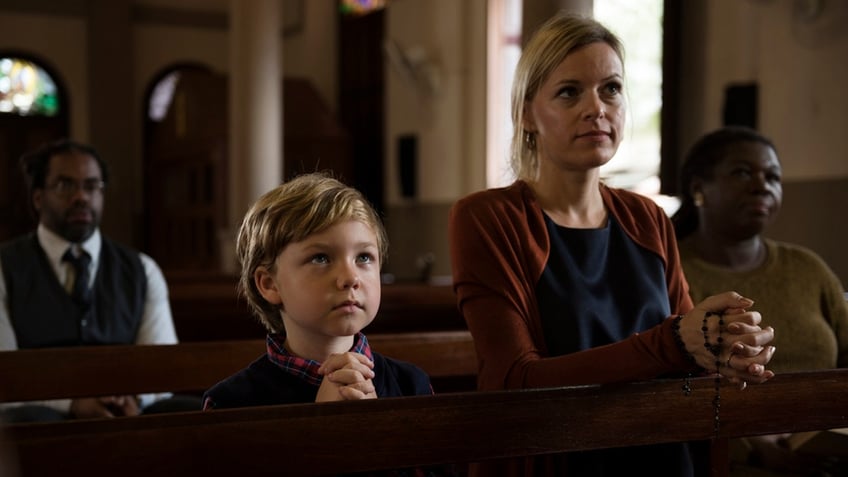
185, 150
186, 159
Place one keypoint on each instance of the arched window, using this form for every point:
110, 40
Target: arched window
26, 89
162, 95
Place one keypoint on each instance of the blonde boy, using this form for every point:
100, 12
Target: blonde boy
311, 252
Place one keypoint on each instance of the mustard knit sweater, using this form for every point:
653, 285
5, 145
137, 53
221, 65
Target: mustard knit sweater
796, 293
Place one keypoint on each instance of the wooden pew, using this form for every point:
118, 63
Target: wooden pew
448, 357
330, 438
207, 308
51, 373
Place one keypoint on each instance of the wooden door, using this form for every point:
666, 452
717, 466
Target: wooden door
361, 98
19, 135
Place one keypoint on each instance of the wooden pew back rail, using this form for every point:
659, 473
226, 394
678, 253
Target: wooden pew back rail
325, 439
448, 357
208, 308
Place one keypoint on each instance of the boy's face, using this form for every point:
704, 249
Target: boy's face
328, 284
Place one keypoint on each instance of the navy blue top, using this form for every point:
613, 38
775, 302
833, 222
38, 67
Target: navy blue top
264, 383
600, 287
278, 377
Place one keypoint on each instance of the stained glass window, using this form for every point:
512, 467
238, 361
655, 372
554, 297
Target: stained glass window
26, 89
360, 7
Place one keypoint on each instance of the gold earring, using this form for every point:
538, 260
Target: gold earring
529, 140
698, 199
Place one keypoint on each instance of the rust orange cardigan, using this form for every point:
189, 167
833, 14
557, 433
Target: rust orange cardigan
499, 248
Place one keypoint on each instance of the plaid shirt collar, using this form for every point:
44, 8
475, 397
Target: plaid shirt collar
306, 369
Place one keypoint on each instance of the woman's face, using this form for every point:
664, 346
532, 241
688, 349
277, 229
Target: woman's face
745, 193
578, 113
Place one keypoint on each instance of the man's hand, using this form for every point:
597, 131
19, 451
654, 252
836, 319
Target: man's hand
106, 406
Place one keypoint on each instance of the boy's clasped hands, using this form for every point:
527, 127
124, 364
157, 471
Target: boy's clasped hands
347, 377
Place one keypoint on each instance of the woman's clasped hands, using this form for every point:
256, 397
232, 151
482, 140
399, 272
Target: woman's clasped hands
724, 337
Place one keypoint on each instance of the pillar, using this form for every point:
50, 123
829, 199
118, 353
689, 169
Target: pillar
255, 106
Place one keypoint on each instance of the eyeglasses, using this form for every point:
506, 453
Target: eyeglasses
66, 188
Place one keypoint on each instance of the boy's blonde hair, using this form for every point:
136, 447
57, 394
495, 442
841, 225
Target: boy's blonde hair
291, 212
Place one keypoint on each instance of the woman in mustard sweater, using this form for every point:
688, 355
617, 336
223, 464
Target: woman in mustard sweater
731, 190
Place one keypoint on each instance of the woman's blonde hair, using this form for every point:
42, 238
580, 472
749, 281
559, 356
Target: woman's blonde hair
291, 212
546, 49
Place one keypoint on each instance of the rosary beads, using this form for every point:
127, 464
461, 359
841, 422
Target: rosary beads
715, 350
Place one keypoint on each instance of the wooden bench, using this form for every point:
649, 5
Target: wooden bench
50, 373
330, 438
208, 308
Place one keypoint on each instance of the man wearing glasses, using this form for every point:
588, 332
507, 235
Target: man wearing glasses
68, 285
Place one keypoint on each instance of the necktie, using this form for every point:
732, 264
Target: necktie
80, 292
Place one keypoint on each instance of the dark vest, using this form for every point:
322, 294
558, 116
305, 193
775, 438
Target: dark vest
44, 315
